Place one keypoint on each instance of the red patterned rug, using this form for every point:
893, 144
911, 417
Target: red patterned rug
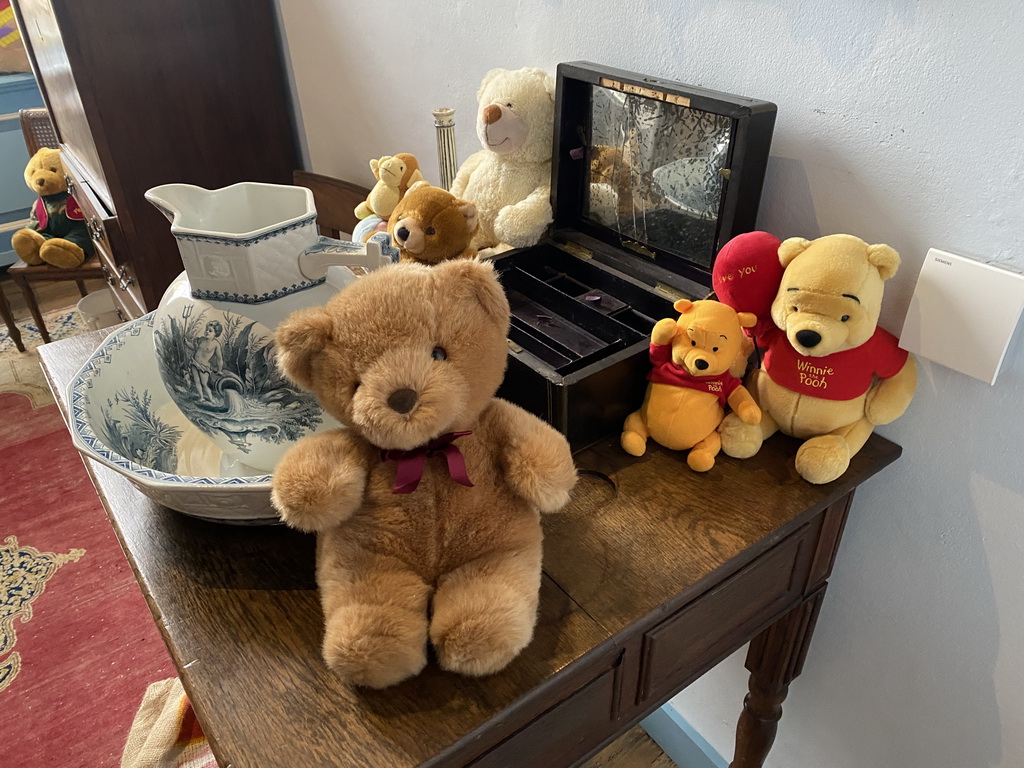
78, 646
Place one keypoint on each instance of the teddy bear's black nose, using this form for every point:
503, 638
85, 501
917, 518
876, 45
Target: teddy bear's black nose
808, 338
701, 364
40, 182
402, 400
402, 233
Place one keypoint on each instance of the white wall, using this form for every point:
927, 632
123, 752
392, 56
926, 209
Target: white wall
900, 122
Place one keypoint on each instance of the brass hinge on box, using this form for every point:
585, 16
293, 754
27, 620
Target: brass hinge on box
577, 250
637, 248
670, 293
650, 93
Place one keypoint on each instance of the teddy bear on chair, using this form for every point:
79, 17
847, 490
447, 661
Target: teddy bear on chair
57, 234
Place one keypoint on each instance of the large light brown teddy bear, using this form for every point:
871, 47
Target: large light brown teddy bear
510, 178
830, 374
427, 505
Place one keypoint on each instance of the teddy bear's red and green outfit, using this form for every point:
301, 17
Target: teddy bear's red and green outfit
60, 216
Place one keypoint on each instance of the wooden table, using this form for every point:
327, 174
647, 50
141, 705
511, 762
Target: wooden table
645, 589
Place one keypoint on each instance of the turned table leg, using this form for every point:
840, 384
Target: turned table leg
774, 659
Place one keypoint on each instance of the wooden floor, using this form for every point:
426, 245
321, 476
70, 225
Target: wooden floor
634, 749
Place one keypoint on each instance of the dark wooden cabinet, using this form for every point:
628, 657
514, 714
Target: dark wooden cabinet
147, 93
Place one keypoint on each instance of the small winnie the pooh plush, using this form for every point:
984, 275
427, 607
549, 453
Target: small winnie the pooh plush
692, 382
427, 503
57, 234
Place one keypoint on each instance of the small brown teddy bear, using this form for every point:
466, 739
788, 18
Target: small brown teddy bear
57, 234
426, 504
691, 382
430, 225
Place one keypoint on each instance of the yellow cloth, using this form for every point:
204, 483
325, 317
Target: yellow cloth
164, 733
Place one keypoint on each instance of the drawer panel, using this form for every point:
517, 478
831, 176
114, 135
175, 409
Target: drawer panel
554, 738
690, 641
97, 219
105, 232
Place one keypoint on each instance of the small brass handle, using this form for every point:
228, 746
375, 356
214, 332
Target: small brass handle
125, 280
95, 229
70, 183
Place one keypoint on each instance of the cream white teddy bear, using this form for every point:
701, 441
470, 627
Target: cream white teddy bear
509, 179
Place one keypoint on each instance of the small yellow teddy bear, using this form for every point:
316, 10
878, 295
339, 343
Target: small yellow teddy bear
57, 234
394, 174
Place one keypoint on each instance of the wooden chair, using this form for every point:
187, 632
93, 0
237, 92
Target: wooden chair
335, 202
8, 318
38, 132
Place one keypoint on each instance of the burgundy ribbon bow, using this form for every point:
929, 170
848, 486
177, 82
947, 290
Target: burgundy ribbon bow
411, 463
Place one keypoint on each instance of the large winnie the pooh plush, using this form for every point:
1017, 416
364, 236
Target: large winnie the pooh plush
426, 504
57, 234
829, 374
510, 178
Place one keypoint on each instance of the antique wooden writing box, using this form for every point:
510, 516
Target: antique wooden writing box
649, 178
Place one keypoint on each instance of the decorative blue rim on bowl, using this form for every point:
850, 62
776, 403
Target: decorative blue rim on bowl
85, 437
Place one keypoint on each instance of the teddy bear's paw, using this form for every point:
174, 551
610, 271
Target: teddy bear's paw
520, 227
700, 460
538, 464
822, 459
548, 488
749, 413
62, 253
311, 495
375, 645
483, 642
739, 440
889, 399
664, 331
26, 243
633, 444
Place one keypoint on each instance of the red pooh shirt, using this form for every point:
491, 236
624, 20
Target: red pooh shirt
839, 376
667, 372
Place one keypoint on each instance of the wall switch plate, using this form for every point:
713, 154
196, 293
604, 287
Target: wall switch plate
963, 313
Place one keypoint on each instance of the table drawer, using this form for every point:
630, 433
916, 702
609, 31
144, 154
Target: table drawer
120, 281
685, 645
98, 221
568, 729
